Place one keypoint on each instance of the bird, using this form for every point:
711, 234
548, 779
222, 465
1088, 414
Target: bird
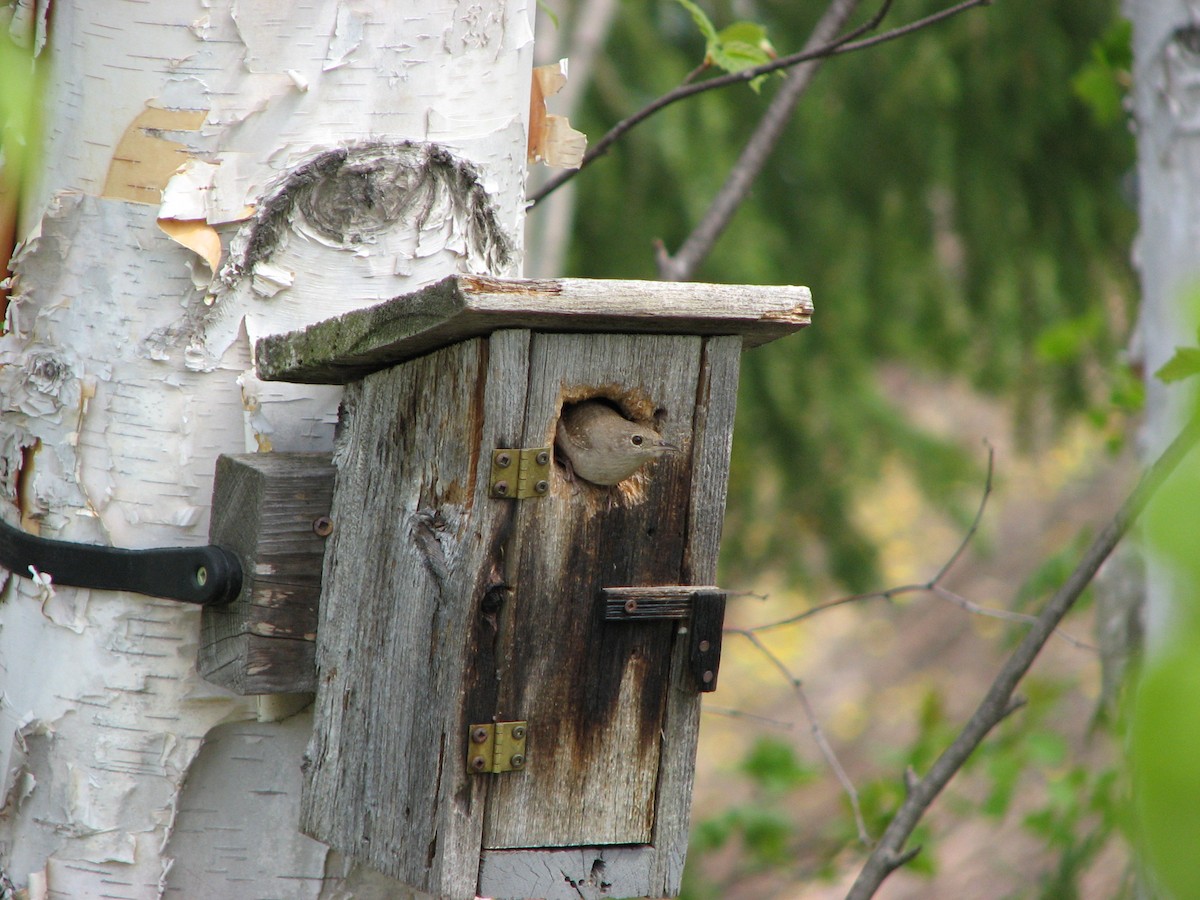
598, 444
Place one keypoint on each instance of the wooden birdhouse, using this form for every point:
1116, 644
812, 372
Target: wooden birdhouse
508, 660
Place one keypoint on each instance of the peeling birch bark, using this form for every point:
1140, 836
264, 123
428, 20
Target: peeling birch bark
336, 154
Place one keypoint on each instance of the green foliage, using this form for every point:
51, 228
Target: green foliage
1081, 814
1079, 807
1103, 81
1165, 718
742, 45
772, 765
1068, 341
1186, 361
1164, 736
1025, 773
950, 200
1184, 364
19, 126
766, 833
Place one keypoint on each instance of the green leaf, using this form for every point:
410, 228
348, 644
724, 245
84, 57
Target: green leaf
750, 33
1128, 391
713, 833
1184, 364
741, 45
924, 863
703, 22
1004, 769
1165, 735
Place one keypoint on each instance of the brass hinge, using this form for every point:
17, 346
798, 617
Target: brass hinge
496, 747
518, 474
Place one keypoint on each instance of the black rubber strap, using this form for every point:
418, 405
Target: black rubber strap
209, 576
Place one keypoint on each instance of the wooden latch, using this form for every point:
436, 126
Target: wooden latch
520, 473
702, 605
496, 747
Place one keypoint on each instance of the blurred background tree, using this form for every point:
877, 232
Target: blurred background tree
953, 198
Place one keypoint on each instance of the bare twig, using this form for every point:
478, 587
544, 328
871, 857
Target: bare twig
1006, 615
970, 535
932, 585
842, 45
814, 728
731, 713
840, 601
997, 703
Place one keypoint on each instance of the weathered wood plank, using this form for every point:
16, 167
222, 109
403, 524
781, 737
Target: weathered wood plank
410, 571
593, 692
667, 601
464, 306
264, 507
712, 443
577, 873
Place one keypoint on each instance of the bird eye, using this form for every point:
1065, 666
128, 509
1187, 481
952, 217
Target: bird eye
637, 440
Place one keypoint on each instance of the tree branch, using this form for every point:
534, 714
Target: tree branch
682, 266
842, 45
997, 703
932, 585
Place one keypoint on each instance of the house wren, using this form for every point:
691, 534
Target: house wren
600, 445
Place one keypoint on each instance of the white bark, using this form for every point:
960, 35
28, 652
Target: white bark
127, 369
1166, 105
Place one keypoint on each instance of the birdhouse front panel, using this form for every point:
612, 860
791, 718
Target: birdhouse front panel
447, 607
594, 692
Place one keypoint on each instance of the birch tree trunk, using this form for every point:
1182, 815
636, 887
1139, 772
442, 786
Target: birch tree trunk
1166, 100
307, 134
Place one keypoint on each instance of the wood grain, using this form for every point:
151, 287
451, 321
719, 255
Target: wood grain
570, 874
673, 601
408, 574
593, 692
715, 407
442, 607
264, 507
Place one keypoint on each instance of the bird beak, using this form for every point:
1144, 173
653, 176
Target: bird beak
667, 445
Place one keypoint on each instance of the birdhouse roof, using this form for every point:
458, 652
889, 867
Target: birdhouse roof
346, 348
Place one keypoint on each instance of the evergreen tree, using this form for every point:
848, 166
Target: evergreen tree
954, 205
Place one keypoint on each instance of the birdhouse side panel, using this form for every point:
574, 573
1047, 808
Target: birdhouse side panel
409, 564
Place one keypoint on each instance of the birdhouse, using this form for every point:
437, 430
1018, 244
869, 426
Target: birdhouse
509, 658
